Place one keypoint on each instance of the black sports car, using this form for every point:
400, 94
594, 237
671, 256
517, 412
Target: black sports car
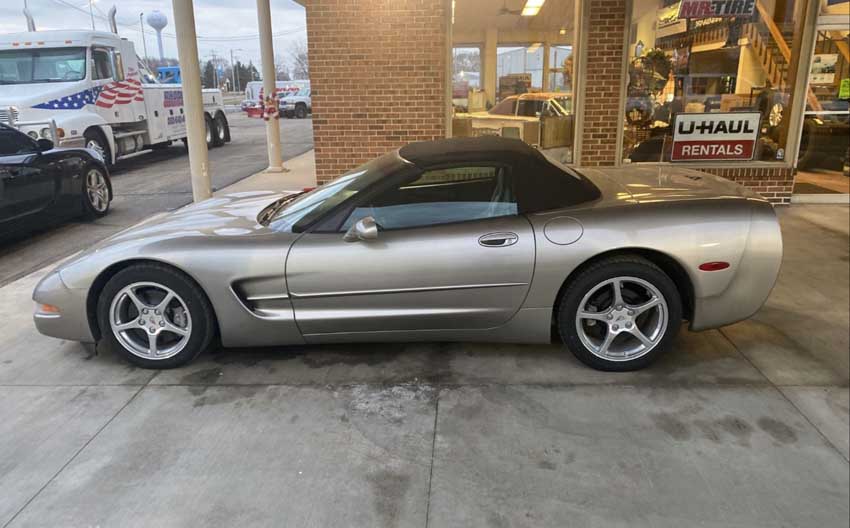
40, 184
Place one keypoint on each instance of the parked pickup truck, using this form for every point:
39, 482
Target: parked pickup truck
293, 97
92, 91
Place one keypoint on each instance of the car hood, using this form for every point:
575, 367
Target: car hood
211, 227
221, 216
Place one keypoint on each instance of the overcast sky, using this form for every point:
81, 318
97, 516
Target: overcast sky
213, 18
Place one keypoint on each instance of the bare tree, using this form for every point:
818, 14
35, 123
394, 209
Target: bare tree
300, 64
281, 69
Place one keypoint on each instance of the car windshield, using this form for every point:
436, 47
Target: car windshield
42, 65
295, 214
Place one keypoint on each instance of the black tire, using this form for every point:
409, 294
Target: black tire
94, 136
203, 325
300, 111
599, 272
221, 130
210, 131
93, 205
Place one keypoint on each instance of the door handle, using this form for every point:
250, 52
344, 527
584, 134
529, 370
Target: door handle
498, 239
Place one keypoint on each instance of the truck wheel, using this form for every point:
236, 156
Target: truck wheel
96, 141
300, 111
210, 131
221, 130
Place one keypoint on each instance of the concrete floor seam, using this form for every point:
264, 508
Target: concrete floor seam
433, 449
72, 458
776, 388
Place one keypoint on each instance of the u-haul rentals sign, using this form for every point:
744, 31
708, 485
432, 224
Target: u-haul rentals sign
715, 137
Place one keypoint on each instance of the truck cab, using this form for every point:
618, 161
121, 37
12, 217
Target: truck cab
90, 89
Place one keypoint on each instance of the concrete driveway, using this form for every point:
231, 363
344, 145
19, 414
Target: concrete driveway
746, 426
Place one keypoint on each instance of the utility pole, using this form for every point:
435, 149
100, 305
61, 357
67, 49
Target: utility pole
91, 12
144, 41
215, 69
232, 72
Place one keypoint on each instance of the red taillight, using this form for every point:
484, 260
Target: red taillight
713, 266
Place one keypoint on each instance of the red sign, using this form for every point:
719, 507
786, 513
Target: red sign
715, 137
716, 8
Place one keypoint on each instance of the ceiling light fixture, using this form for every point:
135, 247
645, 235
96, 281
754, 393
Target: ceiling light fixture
563, 31
532, 7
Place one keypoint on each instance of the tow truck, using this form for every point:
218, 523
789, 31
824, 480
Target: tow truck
90, 89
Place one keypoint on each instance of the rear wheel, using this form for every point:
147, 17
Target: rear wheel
222, 132
209, 126
96, 193
620, 314
155, 316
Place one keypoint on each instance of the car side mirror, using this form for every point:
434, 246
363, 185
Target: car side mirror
364, 229
44, 144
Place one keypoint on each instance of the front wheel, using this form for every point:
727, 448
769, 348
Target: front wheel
155, 316
620, 314
300, 111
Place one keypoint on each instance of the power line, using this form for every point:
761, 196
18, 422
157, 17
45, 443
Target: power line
132, 27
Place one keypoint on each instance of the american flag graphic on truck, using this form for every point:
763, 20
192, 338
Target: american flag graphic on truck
106, 96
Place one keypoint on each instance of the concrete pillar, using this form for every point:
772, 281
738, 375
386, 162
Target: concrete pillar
545, 86
491, 42
264, 20
193, 102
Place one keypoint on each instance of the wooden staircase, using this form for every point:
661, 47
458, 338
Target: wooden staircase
773, 48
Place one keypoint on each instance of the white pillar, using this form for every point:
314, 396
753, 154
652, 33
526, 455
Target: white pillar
264, 20
491, 41
193, 102
545, 86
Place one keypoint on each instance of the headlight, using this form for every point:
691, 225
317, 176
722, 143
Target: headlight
45, 133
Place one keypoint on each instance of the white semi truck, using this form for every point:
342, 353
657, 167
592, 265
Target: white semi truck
89, 89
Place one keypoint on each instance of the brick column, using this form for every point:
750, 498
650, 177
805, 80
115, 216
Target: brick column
605, 35
378, 74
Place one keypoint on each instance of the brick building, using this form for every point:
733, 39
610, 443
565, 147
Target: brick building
602, 83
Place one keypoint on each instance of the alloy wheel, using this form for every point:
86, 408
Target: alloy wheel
622, 318
97, 190
150, 320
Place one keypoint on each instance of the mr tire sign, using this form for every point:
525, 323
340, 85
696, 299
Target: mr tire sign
716, 8
715, 136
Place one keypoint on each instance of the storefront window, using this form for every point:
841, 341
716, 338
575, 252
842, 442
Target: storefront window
512, 72
823, 161
728, 63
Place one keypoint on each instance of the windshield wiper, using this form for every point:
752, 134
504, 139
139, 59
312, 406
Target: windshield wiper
273, 209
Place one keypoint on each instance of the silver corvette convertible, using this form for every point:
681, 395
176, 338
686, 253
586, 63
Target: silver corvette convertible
471, 239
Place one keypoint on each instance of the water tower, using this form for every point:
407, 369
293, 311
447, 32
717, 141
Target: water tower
158, 21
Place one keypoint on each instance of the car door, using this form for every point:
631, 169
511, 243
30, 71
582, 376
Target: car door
27, 180
451, 252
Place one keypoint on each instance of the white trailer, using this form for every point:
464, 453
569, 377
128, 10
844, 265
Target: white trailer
92, 85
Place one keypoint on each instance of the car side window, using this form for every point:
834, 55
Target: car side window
12, 143
101, 64
442, 196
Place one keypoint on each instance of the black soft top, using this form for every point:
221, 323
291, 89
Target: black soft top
540, 184
425, 154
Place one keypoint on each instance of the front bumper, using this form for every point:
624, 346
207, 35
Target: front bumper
71, 322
